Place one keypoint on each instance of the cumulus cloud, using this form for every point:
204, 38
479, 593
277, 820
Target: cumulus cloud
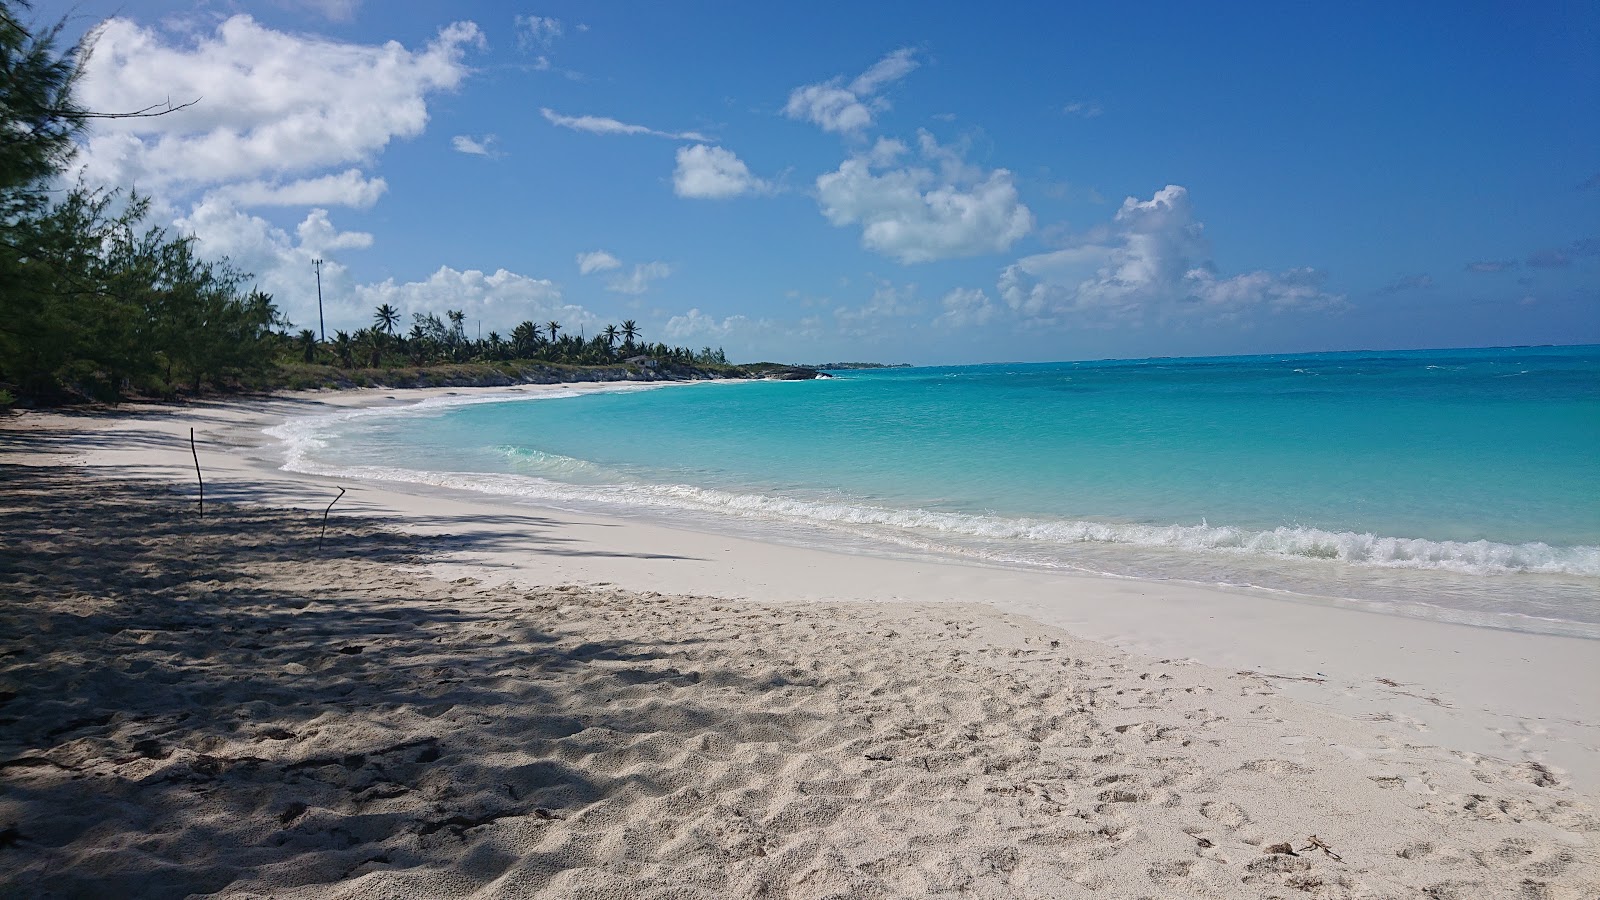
941, 209
713, 173
281, 263
271, 104
604, 125
696, 325
839, 107
597, 261
348, 188
638, 280
280, 260
498, 299
466, 143
966, 307
1152, 260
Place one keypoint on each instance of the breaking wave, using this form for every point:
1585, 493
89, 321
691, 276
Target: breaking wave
915, 527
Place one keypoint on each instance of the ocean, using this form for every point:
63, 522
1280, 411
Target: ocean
1461, 485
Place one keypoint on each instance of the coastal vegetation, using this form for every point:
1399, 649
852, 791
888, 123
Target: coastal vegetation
97, 303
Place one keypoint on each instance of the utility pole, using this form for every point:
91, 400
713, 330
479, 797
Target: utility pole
321, 325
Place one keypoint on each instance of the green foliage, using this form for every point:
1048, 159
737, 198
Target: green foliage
436, 343
93, 303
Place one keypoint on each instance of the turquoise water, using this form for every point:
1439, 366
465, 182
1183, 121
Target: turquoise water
1460, 484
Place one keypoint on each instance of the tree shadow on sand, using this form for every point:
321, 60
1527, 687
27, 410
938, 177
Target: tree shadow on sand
190, 703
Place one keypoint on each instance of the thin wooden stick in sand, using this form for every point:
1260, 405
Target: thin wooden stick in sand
197, 477
325, 519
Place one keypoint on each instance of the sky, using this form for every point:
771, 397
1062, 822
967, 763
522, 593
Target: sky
895, 182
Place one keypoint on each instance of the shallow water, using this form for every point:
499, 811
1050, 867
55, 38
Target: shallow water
1451, 484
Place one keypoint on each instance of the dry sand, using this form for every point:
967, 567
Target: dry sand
213, 706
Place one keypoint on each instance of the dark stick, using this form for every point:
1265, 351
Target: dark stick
325, 519
197, 477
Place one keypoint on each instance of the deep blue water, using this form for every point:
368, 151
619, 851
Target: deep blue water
1460, 483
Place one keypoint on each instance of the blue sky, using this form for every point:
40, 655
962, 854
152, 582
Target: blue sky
884, 181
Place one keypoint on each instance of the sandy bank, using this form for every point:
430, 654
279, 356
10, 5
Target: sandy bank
1520, 697
212, 705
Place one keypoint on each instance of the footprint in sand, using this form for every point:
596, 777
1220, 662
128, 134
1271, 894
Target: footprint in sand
1229, 815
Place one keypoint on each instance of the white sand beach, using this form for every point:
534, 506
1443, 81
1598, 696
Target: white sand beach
461, 695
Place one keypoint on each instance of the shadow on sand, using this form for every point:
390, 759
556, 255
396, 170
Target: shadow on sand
189, 703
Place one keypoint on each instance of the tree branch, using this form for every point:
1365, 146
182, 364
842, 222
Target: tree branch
152, 111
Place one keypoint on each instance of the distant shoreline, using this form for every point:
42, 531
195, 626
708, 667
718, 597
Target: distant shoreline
464, 375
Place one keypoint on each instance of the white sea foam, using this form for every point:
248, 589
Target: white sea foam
916, 527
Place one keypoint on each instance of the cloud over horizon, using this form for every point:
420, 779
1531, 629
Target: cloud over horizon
1151, 262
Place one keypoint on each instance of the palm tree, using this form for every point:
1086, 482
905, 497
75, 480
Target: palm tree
554, 328
343, 346
630, 330
610, 333
458, 330
385, 319
307, 339
420, 347
373, 339
524, 337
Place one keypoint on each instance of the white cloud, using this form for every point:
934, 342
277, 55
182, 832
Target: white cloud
918, 213
638, 281
696, 325
966, 307
836, 106
597, 261
536, 31
887, 302
1084, 108
348, 188
280, 262
282, 266
1152, 260
499, 299
271, 104
604, 125
714, 173
466, 143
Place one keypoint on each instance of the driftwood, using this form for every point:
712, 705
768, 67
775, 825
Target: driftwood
196, 454
324, 532
1317, 843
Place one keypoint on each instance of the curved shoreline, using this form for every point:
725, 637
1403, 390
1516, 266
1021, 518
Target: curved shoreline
1468, 688
1463, 588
